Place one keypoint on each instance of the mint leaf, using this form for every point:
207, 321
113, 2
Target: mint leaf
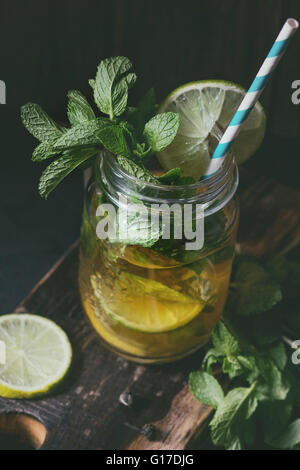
130, 80
206, 389
249, 367
60, 168
82, 135
79, 109
138, 171
113, 79
254, 289
39, 124
272, 385
228, 352
231, 420
289, 438
142, 150
134, 227
113, 139
277, 353
160, 131
98, 132
43, 151
223, 341
92, 83
211, 358
135, 231
232, 366
171, 176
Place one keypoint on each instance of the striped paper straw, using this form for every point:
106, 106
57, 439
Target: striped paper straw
278, 49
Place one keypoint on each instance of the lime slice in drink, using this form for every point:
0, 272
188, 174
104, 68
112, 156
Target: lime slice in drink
146, 305
201, 105
37, 355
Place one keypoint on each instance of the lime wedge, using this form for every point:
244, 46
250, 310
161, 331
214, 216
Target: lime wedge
201, 105
144, 304
37, 355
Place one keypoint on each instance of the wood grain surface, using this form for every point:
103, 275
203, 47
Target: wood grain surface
85, 413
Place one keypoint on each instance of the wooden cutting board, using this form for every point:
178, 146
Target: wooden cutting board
85, 413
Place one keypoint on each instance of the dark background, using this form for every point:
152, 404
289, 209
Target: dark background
49, 47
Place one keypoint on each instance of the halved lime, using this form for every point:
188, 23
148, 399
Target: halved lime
144, 304
37, 355
201, 105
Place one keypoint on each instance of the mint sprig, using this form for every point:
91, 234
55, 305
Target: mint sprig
40, 124
138, 171
231, 425
206, 389
61, 167
263, 383
79, 110
129, 132
81, 135
159, 132
113, 80
43, 151
114, 139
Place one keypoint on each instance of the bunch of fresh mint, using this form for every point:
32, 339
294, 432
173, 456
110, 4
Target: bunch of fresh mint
263, 394
132, 133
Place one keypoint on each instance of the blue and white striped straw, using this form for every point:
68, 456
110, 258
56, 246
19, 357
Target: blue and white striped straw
278, 49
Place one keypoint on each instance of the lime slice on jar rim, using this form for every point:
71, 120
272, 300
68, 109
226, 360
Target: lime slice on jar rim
201, 105
38, 355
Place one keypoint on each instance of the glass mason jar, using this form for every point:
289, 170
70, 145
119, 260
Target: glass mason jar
158, 302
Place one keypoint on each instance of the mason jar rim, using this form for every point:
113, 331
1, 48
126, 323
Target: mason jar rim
212, 193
